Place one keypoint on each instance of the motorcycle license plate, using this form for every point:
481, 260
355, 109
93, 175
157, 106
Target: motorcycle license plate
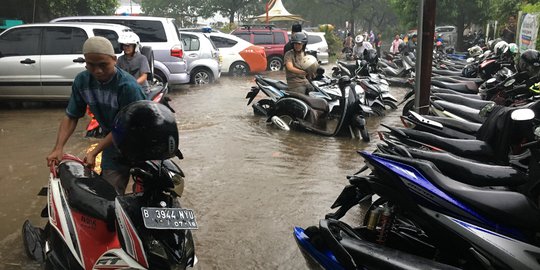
169, 218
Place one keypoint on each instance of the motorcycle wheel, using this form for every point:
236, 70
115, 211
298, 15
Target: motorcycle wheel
409, 106
378, 109
280, 122
390, 104
364, 133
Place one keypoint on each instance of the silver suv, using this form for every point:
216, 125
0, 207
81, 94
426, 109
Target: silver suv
159, 33
202, 58
40, 61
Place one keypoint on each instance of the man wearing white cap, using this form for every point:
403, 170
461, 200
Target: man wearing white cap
106, 90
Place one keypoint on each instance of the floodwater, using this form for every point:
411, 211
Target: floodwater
248, 182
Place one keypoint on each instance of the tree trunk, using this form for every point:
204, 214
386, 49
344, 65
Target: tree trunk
231, 17
460, 28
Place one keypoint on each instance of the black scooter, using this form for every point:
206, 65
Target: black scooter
288, 109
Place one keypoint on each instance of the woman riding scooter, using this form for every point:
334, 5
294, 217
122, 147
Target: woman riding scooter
297, 76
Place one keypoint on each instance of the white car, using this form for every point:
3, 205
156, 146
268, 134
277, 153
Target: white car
238, 56
317, 42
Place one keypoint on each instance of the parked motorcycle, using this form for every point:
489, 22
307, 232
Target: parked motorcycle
90, 226
318, 115
422, 218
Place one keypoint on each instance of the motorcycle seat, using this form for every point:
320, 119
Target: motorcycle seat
477, 104
445, 72
464, 126
90, 195
350, 67
499, 206
477, 81
276, 84
315, 103
473, 149
467, 88
435, 89
462, 111
154, 91
471, 172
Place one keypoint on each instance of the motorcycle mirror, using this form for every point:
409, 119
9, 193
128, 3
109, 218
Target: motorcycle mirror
486, 109
524, 114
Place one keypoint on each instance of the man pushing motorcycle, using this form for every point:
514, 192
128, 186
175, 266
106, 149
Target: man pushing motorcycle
106, 89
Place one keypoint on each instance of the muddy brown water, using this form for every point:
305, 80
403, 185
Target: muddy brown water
248, 182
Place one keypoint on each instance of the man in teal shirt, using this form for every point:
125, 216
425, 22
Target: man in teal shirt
106, 89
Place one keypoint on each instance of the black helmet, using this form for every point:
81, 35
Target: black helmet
401, 47
529, 62
470, 70
371, 56
145, 130
299, 37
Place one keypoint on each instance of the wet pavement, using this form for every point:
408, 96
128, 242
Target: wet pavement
248, 182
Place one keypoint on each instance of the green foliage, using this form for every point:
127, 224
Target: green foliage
228, 28
530, 8
59, 8
334, 42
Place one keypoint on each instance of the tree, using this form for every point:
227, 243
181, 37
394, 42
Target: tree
232, 7
350, 7
46, 10
457, 12
185, 12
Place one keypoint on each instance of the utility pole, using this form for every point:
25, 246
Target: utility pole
424, 55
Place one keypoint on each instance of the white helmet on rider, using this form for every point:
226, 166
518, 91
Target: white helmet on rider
359, 39
129, 38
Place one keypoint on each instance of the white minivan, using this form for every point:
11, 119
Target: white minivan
40, 61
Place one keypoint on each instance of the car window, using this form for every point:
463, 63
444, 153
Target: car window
191, 43
313, 39
222, 42
148, 31
262, 38
279, 38
20, 41
244, 36
63, 40
112, 36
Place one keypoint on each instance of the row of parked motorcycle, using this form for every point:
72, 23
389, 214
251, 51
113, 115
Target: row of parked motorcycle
338, 105
457, 188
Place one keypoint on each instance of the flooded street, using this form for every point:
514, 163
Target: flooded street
248, 182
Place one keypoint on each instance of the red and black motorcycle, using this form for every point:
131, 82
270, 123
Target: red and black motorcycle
90, 226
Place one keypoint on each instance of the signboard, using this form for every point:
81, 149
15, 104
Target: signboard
528, 32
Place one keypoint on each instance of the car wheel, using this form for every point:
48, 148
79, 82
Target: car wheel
159, 77
275, 63
201, 76
239, 69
